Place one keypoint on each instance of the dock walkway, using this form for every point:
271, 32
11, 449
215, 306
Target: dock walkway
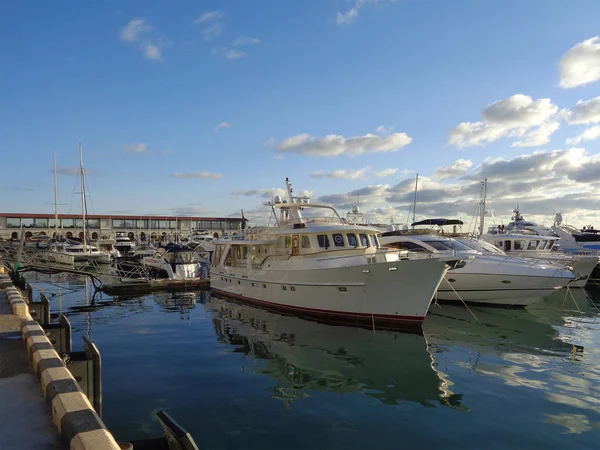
25, 421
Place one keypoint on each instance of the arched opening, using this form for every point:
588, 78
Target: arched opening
131, 236
14, 235
81, 234
94, 235
69, 235
143, 236
216, 235
28, 235
42, 233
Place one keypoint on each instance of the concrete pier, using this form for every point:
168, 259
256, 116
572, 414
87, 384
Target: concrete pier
25, 420
42, 406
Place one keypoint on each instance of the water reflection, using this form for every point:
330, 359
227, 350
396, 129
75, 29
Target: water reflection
304, 356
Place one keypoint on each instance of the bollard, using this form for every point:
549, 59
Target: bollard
59, 335
40, 311
86, 368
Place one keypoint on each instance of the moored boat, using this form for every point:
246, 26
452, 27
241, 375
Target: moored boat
326, 269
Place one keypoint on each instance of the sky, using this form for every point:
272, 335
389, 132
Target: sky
205, 107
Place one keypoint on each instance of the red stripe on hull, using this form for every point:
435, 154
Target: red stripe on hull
363, 320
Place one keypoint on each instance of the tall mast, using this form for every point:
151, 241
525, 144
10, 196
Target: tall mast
82, 195
55, 200
415, 199
482, 206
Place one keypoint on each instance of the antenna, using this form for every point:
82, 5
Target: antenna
415, 199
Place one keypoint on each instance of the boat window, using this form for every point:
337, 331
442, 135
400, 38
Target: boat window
550, 244
305, 242
280, 242
218, 253
352, 241
409, 246
519, 245
499, 244
529, 224
229, 258
323, 240
438, 245
374, 241
507, 246
338, 240
364, 242
288, 242
533, 245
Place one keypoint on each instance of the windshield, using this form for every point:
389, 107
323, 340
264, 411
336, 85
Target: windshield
449, 244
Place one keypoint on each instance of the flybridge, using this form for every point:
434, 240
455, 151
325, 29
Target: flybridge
290, 210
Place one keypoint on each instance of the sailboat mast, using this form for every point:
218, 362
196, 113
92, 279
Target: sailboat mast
482, 206
415, 199
82, 196
55, 200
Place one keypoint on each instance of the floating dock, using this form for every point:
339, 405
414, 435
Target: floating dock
145, 287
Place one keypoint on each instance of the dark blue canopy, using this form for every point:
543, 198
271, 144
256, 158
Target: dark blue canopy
438, 222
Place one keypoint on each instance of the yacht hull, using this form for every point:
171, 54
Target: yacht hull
476, 283
385, 295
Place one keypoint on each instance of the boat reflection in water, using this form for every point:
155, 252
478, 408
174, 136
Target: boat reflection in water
305, 356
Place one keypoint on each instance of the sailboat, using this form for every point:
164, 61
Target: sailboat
85, 253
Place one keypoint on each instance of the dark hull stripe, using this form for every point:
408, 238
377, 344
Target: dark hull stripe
382, 321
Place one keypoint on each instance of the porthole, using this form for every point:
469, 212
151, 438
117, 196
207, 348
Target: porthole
264, 286
451, 280
292, 288
342, 289
506, 281
284, 288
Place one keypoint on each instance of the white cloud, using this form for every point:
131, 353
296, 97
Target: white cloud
335, 145
581, 64
152, 51
538, 136
518, 116
348, 17
212, 32
222, 125
244, 40
227, 53
134, 30
137, 32
584, 112
589, 134
456, 169
197, 175
269, 143
136, 148
208, 16
383, 130
384, 173
341, 174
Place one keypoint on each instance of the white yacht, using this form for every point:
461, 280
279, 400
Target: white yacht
538, 248
123, 244
489, 278
201, 241
575, 240
326, 269
86, 253
174, 262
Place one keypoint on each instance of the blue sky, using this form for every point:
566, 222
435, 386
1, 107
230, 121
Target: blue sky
145, 85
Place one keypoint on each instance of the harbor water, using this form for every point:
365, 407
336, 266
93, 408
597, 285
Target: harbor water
239, 377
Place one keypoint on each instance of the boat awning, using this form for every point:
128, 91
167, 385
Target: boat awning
438, 222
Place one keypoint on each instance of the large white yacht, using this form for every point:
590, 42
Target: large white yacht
489, 278
326, 269
538, 248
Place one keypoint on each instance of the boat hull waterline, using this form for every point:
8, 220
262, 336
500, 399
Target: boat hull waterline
385, 295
